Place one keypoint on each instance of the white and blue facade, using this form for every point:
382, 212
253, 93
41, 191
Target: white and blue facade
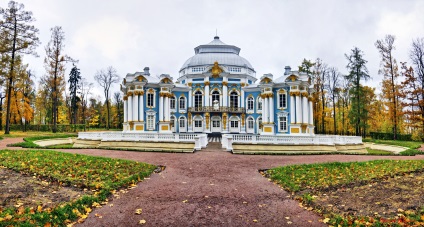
217, 92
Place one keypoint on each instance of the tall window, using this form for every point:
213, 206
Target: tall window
150, 100
260, 122
250, 103
259, 103
234, 99
182, 122
283, 123
172, 103
282, 100
182, 103
250, 123
197, 123
234, 123
150, 122
215, 96
198, 99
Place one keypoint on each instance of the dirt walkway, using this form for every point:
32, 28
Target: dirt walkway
209, 188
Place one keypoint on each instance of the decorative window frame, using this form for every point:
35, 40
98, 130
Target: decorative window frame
182, 110
247, 123
150, 113
202, 99
283, 93
283, 114
238, 97
175, 104
182, 129
259, 100
219, 96
151, 91
252, 99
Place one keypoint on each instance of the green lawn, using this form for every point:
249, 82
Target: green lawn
301, 179
103, 175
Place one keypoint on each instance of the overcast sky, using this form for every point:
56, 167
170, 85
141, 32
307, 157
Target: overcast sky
132, 34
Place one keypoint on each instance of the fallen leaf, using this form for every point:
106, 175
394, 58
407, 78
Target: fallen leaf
287, 218
185, 201
254, 220
138, 211
142, 222
326, 220
289, 222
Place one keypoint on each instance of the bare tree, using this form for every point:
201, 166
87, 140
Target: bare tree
106, 78
18, 37
333, 87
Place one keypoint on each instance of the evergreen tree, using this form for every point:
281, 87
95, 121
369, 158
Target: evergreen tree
18, 37
74, 86
357, 71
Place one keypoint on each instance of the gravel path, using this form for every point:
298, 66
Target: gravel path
209, 188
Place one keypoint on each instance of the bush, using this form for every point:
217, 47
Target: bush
389, 136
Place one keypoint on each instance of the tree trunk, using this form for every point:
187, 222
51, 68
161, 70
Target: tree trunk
9, 89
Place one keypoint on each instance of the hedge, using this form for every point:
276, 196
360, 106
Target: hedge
389, 136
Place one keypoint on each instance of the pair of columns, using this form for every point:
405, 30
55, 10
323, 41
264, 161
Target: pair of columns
164, 107
134, 106
301, 108
267, 108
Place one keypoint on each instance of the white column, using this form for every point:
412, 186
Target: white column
225, 95
298, 109
292, 110
311, 113
242, 98
141, 107
265, 111
135, 108
305, 109
271, 109
207, 95
166, 109
190, 97
161, 108
125, 110
130, 108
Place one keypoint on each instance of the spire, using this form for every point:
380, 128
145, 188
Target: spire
216, 34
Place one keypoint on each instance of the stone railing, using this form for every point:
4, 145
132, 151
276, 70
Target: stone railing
228, 139
200, 140
217, 109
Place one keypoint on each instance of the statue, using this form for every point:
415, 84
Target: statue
215, 105
216, 70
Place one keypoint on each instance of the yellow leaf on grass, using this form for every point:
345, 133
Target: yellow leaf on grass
138, 211
142, 222
39, 208
326, 220
422, 217
21, 210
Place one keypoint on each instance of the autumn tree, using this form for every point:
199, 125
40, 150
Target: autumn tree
18, 37
389, 69
105, 78
319, 77
55, 66
119, 108
357, 71
74, 86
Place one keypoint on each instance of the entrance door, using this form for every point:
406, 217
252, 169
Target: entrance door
216, 124
198, 124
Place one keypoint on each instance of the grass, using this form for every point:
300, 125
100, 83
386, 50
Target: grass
104, 175
300, 177
378, 152
408, 144
29, 141
308, 177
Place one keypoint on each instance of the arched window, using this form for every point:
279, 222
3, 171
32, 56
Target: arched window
198, 98
250, 103
182, 124
250, 123
234, 99
259, 103
172, 103
182, 103
215, 96
260, 123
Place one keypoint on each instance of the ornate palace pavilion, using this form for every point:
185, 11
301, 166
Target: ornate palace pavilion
217, 91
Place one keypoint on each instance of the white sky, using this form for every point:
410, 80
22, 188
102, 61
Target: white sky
132, 34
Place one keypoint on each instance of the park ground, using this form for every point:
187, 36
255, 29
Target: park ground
215, 188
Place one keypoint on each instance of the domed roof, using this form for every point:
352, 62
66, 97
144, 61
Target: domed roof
218, 51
